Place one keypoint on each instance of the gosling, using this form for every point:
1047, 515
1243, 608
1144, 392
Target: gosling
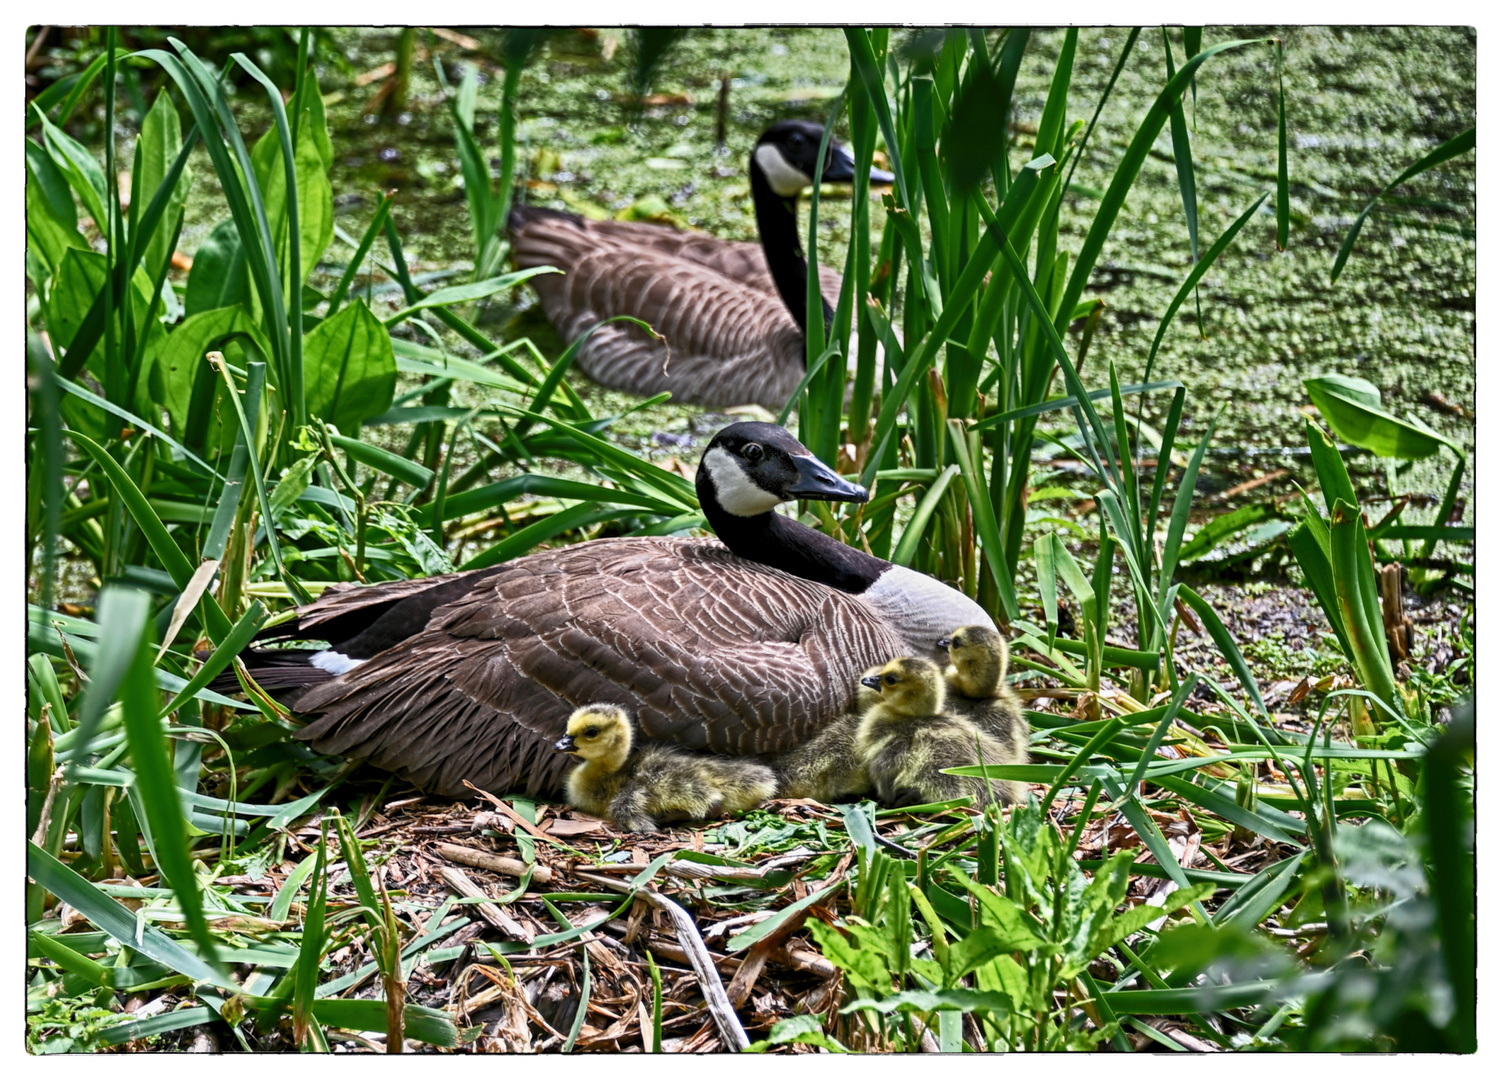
976, 679
827, 767
907, 739
643, 788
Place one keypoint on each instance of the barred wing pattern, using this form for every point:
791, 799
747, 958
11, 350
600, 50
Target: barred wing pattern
709, 650
726, 338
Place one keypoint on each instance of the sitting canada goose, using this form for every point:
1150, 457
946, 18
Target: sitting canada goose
745, 646
978, 691
907, 739
642, 788
726, 340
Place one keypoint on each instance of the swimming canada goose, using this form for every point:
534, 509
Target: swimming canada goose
907, 739
641, 788
744, 646
976, 678
727, 340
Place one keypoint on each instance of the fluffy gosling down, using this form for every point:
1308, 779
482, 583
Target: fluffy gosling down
976, 679
907, 739
827, 766
642, 788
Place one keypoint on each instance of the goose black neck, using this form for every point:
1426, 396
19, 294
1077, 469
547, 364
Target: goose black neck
777, 222
791, 546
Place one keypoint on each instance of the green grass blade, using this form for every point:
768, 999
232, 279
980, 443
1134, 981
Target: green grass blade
165, 547
377, 223
128, 646
310, 950
293, 393
1201, 268
1355, 595
907, 547
383, 461
1055, 404
1183, 159
1227, 645
115, 919
84, 394
1182, 502
1126, 172
863, 59
223, 655
1460, 144
984, 516
293, 585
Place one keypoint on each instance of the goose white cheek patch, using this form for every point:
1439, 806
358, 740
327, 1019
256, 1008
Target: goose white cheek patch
736, 491
335, 663
785, 179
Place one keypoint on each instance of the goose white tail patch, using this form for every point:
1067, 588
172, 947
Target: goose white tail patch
734, 490
785, 178
335, 663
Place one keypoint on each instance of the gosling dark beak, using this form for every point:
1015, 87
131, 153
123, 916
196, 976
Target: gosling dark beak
945, 642
881, 176
817, 480
566, 743
873, 681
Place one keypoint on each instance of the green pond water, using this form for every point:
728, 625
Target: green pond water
1362, 104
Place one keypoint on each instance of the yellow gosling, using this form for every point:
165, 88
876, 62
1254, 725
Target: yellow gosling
642, 788
827, 767
907, 738
978, 691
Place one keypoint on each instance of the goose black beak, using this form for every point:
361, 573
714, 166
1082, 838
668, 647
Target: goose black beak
841, 166
881, 176
817, 480
566, 744
873, 681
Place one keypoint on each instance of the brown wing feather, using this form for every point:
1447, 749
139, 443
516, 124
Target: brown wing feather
726, 336
709, 651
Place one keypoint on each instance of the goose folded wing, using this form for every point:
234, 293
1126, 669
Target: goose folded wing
712, 652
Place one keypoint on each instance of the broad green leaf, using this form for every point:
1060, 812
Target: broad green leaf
349, 368
221, 275
863, 966
160, 140
182, 363
51, 217
83, 172
1353, 409
315, 204
802, 1028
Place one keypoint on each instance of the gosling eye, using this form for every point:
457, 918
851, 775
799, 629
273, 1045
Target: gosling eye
891, 680
591, 732
752, 452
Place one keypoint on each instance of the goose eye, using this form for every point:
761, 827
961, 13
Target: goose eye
752, 452
891, 680
796, 141
591, 732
